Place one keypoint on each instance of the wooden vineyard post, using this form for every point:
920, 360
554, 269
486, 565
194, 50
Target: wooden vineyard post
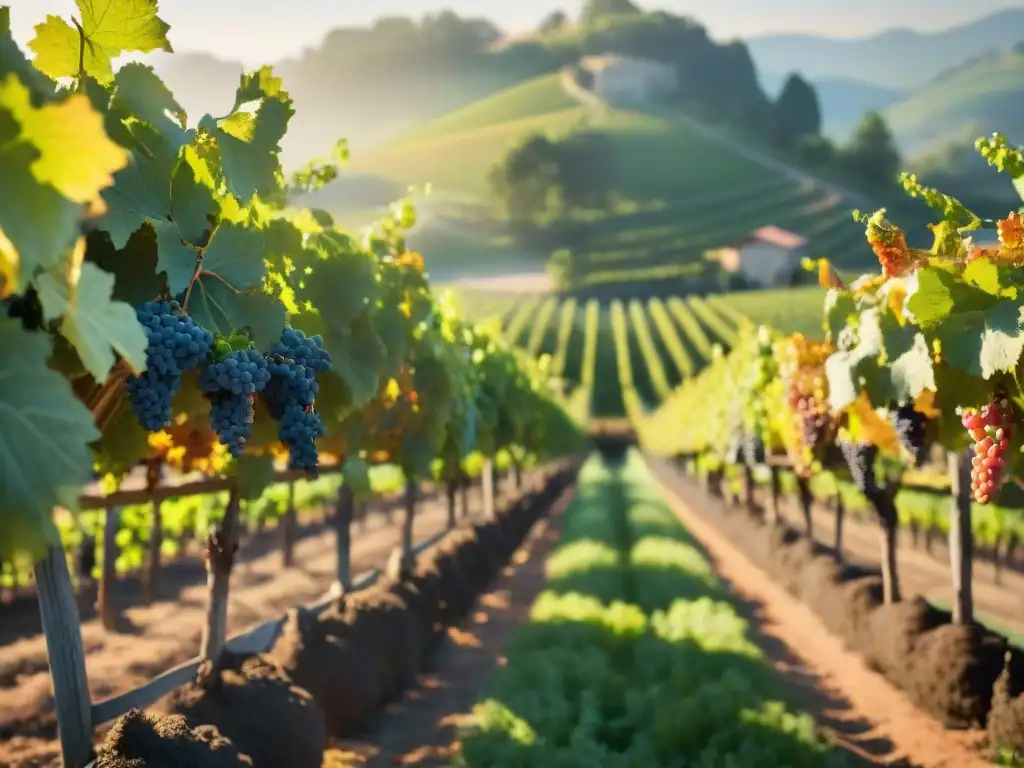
748, 486
450, 494
806, 499
288, 529
221, 546
151, 575
884, 502
487, 489
961, 538
776, 495
108, 576
517, 469
343, 539
409, 515
62, 630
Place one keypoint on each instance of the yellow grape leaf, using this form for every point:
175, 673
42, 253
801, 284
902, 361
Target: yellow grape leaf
827, 275
76, 156
108, 29
868, 427
392, 389
10, 272
924, 404
897, 296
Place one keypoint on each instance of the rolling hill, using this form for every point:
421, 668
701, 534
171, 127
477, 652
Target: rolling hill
686, 193
896, 59
978, 97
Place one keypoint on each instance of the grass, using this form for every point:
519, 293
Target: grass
788, 310
635, 653
539, 96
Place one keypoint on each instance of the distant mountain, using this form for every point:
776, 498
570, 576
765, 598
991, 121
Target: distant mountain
896, 59
982, 96
843, 101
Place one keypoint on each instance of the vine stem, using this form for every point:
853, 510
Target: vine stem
80, 86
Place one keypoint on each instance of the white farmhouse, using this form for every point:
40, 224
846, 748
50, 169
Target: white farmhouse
769, 256
622, 79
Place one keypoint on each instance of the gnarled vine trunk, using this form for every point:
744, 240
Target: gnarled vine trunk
806, 499
221, 548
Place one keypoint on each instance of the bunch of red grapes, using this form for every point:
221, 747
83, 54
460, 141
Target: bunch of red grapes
990, 428
814, 417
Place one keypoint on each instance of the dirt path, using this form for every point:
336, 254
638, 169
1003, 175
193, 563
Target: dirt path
422, 729
160, 636
925, 574
863, 712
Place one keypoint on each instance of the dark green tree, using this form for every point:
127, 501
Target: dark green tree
554, 22
595, 10
871, 155
796, 113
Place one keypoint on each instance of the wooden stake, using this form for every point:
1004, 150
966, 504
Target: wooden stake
961, 538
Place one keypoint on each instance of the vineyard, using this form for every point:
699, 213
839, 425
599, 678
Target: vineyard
272, 499
626, 357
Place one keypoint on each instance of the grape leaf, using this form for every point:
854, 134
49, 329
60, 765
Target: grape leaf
124, 442
983, 342
141, 91
44, 441
134, 265
983, 274
846, 369
938, 292
93, 323
220, 309
839, 305
109, 27
249, 139
909, 359
235, 254
75, 155
37, 222
174, 196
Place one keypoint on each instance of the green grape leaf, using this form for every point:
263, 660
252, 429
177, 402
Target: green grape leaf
221, 309
984, 274
134, 265
846, 370
355, 473
938, 292
955, 388
839, 306
109, 28
235, 255
141, 92
174, 196
909, 359
44, 454
255, 474
983, 342
94, 324
250, 139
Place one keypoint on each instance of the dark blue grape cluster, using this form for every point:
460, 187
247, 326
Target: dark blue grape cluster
299, 429
175, 346
293, 364
230, 386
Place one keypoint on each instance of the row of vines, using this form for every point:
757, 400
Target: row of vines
914, 384
167, 305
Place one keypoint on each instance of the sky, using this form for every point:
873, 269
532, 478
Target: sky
262, 31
